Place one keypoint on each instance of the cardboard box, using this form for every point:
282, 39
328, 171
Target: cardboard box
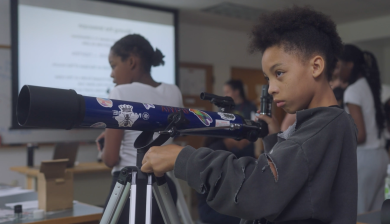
55, 186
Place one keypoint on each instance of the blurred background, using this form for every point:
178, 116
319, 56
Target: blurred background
206, 43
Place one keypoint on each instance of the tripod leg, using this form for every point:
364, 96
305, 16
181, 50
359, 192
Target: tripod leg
115, 205
121, 204
149, 192
165, 202
133, 197
112, 204
181, 203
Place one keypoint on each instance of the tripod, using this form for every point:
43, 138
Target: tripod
132, 182
127, 185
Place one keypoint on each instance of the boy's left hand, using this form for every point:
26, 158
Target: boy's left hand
160, 159
273, 124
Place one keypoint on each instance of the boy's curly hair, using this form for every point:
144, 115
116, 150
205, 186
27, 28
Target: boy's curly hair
299, 30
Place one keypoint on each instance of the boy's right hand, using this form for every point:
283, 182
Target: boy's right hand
273, 124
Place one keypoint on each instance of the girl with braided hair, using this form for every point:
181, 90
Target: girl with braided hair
131, 59
362, 101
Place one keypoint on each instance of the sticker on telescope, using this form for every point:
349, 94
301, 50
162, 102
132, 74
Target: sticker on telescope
98, 125
226, 116
104, 102
145, 116
148, 105
203, 117
126, 116
222, 123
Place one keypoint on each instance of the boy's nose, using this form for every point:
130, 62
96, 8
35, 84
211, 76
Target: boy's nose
272, 89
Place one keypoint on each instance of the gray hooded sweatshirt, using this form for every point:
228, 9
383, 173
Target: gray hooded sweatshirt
316, 179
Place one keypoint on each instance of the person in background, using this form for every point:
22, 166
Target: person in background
387, 132
336, 81
362, 101
235, 89
131, 59
339, 94
245, 108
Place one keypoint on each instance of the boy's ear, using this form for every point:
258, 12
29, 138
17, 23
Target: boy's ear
317, 64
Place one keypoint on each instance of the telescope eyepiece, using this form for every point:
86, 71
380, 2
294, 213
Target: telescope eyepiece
223, 102
207, 96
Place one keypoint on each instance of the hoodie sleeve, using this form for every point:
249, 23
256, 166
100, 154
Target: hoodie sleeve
245, 187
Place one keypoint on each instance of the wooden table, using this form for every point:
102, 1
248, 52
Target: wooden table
80, 214
91, 181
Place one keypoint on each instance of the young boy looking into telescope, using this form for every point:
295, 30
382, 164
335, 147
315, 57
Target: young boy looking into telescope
308, 173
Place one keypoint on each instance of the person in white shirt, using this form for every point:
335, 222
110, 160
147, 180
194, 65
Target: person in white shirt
362, 101
131, 59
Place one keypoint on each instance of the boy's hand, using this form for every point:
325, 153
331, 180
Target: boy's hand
273, 124
232, 143
160, 159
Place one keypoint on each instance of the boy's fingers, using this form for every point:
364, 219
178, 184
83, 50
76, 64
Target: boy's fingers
265, 118
146, 167
158, 174
146, 157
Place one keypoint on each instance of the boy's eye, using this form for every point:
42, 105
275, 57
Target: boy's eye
278, 74
266, 78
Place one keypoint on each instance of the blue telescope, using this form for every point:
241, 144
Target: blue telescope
65, 109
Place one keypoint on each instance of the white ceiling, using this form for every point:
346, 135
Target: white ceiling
341, 11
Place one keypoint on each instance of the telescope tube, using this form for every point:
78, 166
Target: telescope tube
45, 107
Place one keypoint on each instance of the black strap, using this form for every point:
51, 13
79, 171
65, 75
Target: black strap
145, 140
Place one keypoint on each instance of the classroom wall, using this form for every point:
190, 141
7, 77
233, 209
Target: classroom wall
365, 30
5, 38
225, 48
221, 48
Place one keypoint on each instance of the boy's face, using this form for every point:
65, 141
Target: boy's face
291, 82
